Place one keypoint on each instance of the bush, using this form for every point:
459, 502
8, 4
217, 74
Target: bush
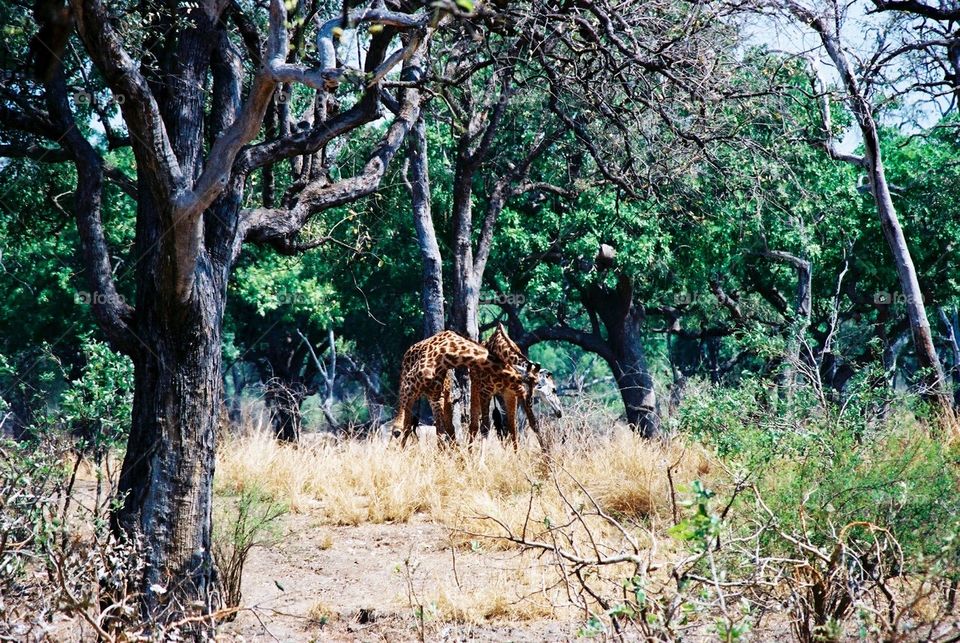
96, 408
250, 521
51, 562
848, 498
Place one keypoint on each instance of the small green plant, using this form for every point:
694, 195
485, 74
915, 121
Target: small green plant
252, 520
30, 480
702, 526
96, 408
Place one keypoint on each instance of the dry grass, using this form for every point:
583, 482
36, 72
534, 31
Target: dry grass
354, 482
480, 493
512, 595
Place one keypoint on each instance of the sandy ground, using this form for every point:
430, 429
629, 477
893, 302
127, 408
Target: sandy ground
357, 577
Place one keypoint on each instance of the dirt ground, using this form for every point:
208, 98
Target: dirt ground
365, 583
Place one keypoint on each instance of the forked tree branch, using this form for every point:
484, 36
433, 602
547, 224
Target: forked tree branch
139, 107
507, 187
276, 225
109, 308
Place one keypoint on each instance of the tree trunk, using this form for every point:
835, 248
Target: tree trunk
167, 474
190, 230
633, 378
419, 184
465, 304
952, 328
935, 389
284, 401
623, 321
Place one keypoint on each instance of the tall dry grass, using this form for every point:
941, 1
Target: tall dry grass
482, 493
357, 481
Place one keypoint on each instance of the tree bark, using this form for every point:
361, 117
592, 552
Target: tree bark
418, 182
167, 473
934, 389
621, 348
466, 287
623, 322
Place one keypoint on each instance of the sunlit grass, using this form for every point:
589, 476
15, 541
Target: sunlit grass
360, 481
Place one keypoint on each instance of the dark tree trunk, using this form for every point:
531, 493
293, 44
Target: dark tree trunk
284, 402
799, 323
419, 184
286, 360
623, 322
621, 348
466, 287
167, 473
952, 330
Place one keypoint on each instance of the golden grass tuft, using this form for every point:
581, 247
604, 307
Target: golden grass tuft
321, 613
354, 482
515, 588
496, 600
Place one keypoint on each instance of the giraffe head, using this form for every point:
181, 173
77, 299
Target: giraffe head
546, 390
539, 384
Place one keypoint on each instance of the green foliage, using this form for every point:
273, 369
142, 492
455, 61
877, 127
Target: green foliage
92, 408
723, 418
902, 480
700, 526
250, 520
97, 406
30, 478
819, 469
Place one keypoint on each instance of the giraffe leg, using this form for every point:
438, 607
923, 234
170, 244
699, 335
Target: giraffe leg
510, 409
409, 424
474, 409
439, 419
404, 409
485, 398
447, 406
409, 427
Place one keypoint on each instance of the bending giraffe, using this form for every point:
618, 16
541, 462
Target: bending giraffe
423, 373
545, 388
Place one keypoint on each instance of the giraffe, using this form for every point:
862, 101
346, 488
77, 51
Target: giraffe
424, 373
504, 348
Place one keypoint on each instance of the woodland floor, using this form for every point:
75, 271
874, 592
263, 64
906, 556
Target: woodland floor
357, 577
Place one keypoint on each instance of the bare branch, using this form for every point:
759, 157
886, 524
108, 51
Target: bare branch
109, 308
942, 12
272, 224
140, 110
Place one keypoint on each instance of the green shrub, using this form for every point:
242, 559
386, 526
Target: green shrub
96, 408
251, 520
903, 480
